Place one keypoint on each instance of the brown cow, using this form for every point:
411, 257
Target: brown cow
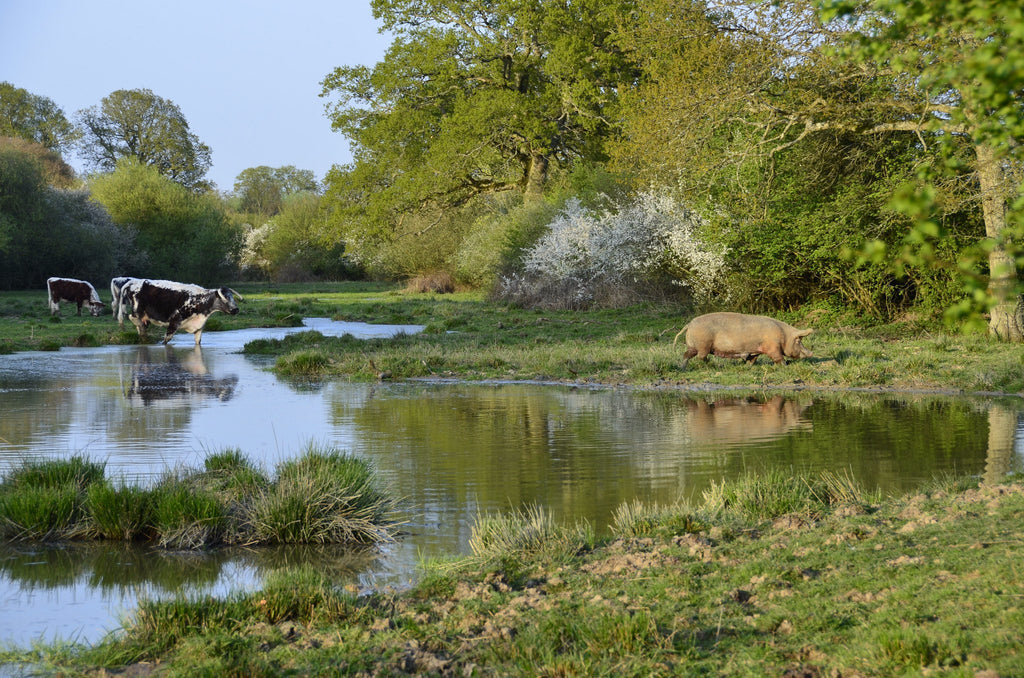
78, 291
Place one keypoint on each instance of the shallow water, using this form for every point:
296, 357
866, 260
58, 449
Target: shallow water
451, 451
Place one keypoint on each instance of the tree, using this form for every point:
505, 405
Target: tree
56, 172
471, 98
262, 189
46, 230
35, 118
186, 237
139, 124
749, 83
964, 63
22, 199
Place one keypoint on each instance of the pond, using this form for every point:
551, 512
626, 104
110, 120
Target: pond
450, 451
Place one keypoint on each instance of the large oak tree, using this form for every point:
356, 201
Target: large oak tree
472, 98
135, 123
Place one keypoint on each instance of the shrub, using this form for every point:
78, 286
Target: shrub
649, 246
439, 282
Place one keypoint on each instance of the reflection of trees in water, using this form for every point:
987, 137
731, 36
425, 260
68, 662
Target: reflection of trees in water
174, 379
122, 568
35, 405
583, 452
1003, 438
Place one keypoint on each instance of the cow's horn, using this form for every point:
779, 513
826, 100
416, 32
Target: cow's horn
236, 295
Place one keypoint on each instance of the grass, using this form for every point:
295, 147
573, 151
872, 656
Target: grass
769, 575
832, 581
322, 497
469, 338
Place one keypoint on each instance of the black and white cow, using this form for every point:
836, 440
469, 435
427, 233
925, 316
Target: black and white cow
70, 289
116, 285
177, 305
124, 289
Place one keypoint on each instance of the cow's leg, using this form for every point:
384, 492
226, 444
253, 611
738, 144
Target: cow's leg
173, 323
79, 308
54, 307
198, 334
140, 325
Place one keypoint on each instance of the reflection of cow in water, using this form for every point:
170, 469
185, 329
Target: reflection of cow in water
745, 420
175, 380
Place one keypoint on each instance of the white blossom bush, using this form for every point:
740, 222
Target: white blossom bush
586, 255
253, 260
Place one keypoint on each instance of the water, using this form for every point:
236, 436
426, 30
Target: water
451, 451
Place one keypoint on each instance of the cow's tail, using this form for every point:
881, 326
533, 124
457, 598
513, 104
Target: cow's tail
679, 334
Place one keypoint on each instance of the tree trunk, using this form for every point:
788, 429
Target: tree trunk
536, 177
1007, 316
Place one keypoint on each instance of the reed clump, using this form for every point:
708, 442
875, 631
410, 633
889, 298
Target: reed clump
322, 497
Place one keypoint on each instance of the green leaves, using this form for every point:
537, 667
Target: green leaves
139, 124
471, 99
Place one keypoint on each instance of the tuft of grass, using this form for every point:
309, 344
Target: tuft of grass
78, 472
638, 519
303, 594
907, 650
324, 496
231, 475
43, 500
526, 534
36, 513
187, 518
160, 624
308, 363
758, 497
121, 513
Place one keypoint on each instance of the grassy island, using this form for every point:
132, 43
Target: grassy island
320, 497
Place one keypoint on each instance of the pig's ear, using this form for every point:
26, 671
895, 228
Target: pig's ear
804, 333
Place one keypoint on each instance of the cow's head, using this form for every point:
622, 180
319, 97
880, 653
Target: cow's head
96, 307
225, 301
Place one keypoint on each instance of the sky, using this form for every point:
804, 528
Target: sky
246, 74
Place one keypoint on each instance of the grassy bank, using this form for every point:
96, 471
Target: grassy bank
320, 497
466, 337
768, 576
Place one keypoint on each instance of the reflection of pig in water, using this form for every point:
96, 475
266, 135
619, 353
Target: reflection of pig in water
741, 420
176, 381
737, 335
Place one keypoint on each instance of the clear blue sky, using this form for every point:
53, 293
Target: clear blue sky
245, 73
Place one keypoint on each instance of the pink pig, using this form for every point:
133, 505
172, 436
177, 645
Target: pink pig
737, 335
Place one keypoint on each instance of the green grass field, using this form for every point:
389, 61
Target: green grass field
467, 337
